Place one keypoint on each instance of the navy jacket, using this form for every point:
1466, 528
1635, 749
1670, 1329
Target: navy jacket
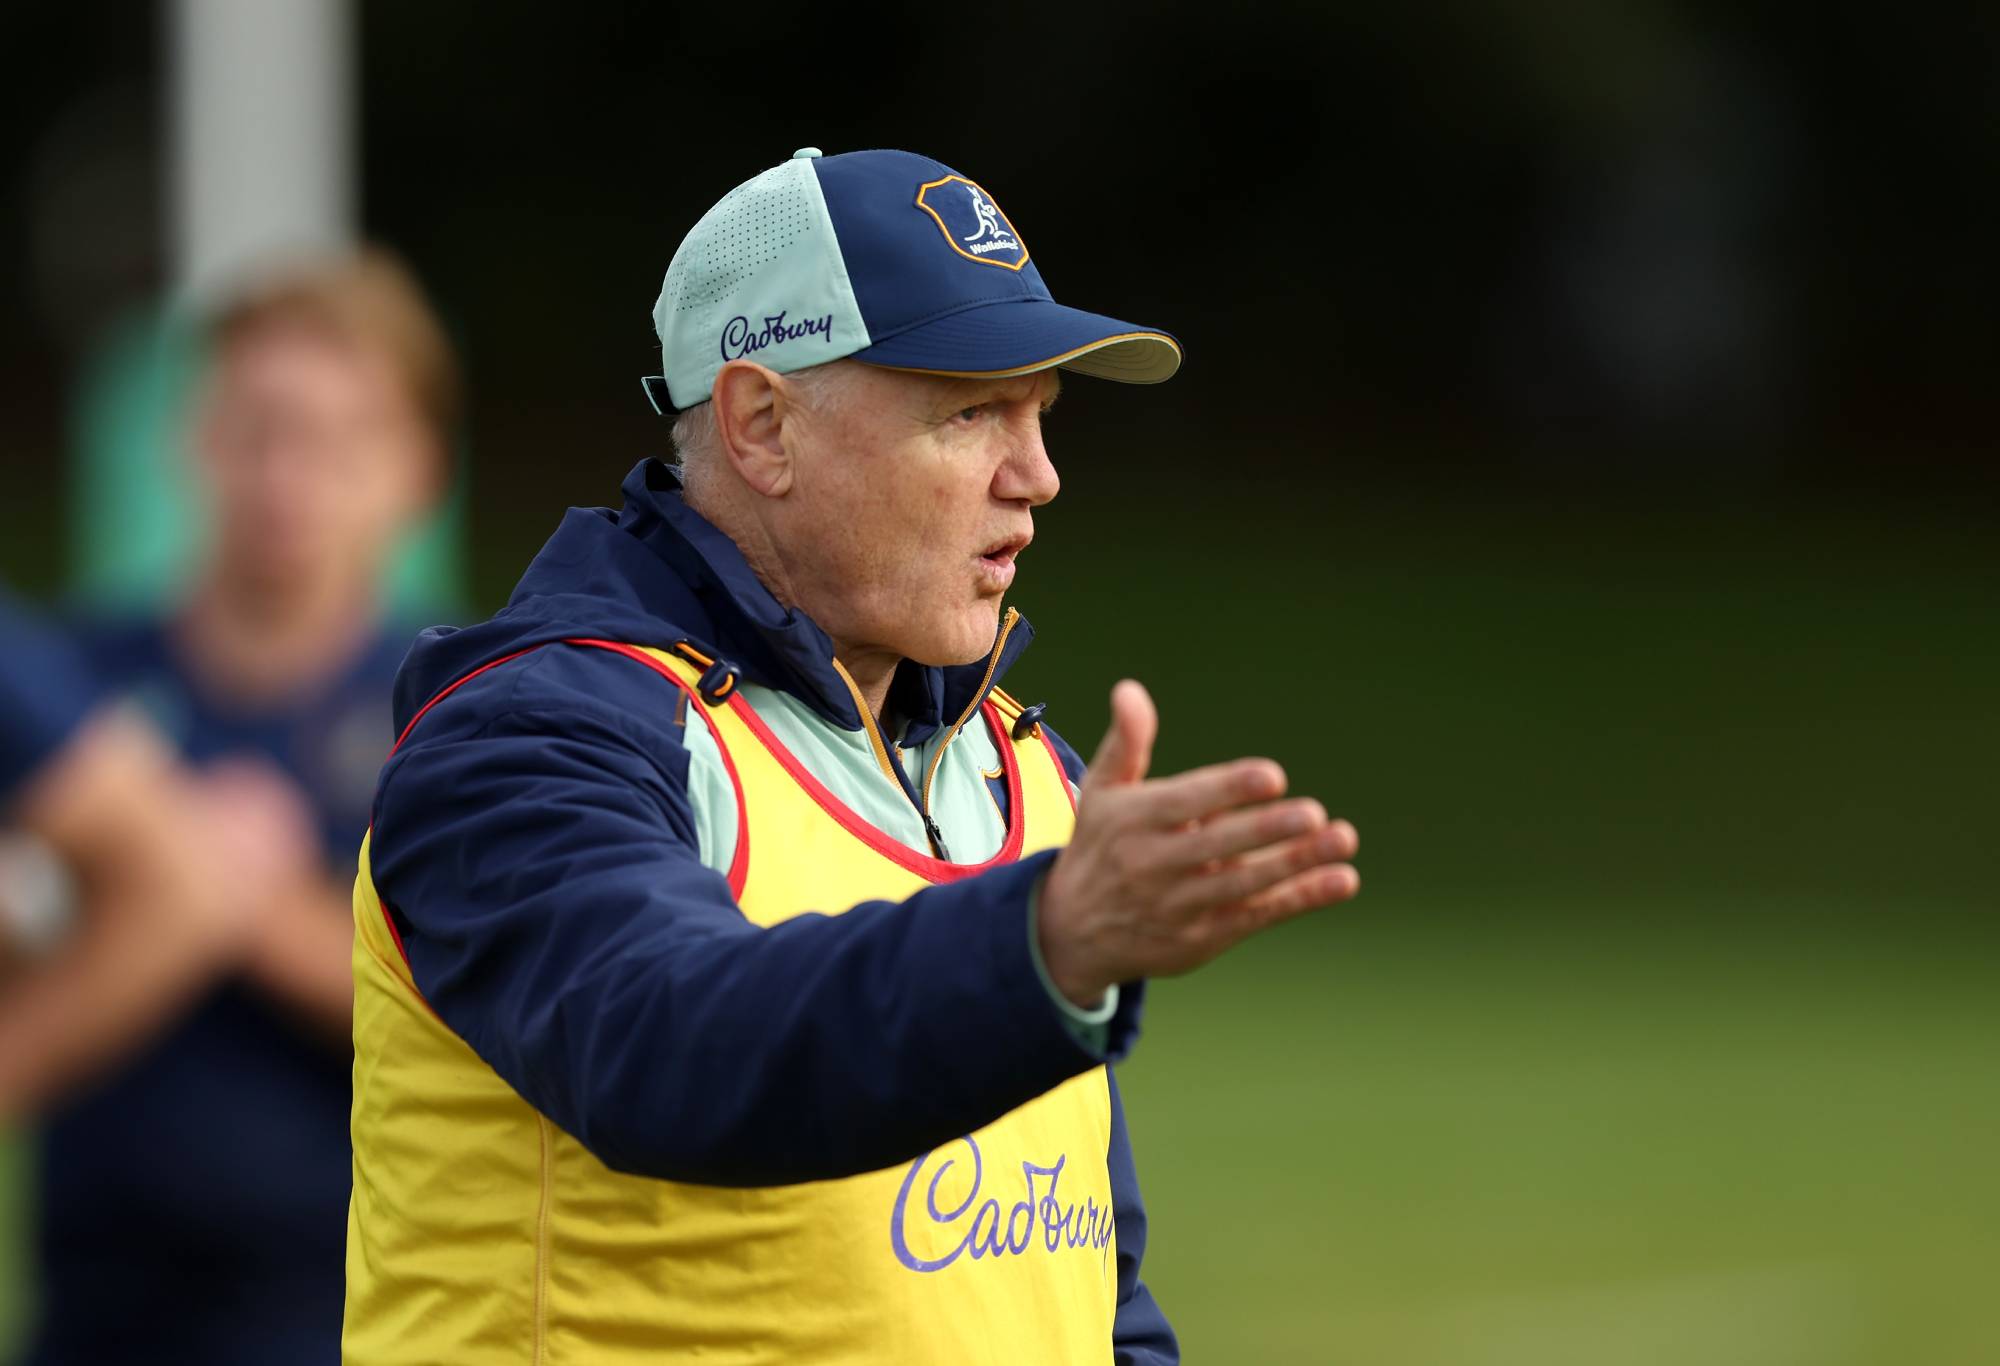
535, 844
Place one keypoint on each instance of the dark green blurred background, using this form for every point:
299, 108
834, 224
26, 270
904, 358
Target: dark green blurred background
1667, 1027
1581, 478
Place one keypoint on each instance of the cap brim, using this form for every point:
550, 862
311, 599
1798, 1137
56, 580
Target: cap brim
1022, 336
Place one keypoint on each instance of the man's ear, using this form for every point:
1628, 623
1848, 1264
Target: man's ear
750, 412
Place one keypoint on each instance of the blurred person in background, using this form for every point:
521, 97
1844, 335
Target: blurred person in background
194, 1206
94, 811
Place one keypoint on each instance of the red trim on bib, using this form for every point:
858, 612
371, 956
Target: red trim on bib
450, 689
739, 862
923, 865
389, 919
394, 933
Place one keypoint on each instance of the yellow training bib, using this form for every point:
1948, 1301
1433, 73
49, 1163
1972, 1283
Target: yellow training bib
480, 1233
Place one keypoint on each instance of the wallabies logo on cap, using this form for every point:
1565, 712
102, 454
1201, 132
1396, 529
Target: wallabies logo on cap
972, 223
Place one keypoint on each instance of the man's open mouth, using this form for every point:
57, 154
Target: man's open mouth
1003, 552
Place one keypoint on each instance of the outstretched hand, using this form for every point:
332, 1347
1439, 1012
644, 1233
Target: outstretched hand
1163, 874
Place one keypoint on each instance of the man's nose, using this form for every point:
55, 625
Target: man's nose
1028, 475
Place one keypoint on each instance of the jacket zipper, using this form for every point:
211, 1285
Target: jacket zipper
868, 726
978, 696
893, 770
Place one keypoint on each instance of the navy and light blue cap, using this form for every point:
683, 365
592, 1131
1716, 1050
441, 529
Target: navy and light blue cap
886, 257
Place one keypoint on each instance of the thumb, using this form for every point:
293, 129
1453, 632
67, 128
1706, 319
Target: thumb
1126, 752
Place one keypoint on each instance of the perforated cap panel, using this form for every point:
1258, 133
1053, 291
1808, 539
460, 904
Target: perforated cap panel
748, 228
759, 278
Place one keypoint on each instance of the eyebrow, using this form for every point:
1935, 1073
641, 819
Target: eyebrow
976, 391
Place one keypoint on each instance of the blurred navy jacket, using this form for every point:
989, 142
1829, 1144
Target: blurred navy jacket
44, 695
194, 1201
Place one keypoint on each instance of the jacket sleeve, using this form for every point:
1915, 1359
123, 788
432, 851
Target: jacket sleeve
536, 847
1140, 1333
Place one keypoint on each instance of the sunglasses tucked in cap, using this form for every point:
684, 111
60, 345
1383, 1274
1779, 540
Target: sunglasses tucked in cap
888, 257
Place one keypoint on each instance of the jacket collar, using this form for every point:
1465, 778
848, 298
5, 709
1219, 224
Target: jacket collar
776, 646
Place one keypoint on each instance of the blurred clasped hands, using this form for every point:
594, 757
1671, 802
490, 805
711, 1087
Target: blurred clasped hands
265, 850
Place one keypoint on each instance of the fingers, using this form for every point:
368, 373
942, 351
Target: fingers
1302, 892
1127, 750
1245, 879
1232, 833
1202, 792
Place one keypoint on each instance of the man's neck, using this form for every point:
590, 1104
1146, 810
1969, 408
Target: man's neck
256, 644
871, 671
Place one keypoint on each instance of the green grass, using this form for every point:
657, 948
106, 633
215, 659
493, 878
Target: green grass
1400, 1138
1667, 1027
14, 1260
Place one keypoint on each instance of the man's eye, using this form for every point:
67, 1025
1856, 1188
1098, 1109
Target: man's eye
968, 414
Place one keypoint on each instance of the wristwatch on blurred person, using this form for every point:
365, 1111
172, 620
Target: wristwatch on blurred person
37, 896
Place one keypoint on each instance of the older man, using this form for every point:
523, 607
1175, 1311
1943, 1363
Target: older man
737, 967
